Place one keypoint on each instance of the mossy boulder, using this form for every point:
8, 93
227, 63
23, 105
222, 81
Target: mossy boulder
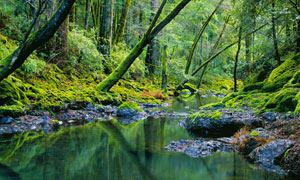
271, 86
283, 101
283, 73
13, 110
128, 109
255, 86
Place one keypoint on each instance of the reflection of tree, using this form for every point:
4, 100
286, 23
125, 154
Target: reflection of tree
8, 172
154, 138
114, 133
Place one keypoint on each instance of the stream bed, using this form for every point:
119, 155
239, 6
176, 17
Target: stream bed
113, 151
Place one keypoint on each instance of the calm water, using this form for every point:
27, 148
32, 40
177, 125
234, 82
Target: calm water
113, 151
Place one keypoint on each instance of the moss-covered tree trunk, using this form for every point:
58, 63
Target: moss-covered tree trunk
36, 40
152, 31
123, 21
104, 35
198, 37
213, 50
164, 75
153, 47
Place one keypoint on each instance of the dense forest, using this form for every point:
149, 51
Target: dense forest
149, 78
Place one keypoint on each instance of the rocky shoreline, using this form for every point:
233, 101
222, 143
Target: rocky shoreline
44, 121
269, 140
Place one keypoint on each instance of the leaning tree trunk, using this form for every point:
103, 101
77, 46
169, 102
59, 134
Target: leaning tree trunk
198, 37
213, 50
35, 40
236, 60
216, 55
152, 31
153, 46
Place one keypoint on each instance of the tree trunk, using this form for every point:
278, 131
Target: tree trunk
87, 13
164, 75
152, 31
62, 48
123, 21
199, 35
213, 50
36, 40
217, 54
236, 60
153, 46
111, 22
104, 44
276, 56
298, 36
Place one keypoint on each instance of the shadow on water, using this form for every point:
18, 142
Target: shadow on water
113, 151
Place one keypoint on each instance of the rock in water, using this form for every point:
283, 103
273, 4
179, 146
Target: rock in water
6, 120
267, 155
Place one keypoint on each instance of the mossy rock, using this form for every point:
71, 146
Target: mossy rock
202, 114
255, 86
272, 87
13, 110
283, 73
130, 105
257, 77
283, 101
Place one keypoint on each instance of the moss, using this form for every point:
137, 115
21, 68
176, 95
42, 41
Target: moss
130, 105
254, 133
212, 105
283, 73
202, 114
283, 101
251, 87
215, 115
257, 77
272, 87
12, 110
297, 109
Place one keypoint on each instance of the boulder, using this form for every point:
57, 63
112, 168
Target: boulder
267, 155
210, 124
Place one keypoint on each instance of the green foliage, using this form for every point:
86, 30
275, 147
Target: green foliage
33, 65
130, 105
84, 52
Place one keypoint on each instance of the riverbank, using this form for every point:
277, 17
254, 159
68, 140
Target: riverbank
270, 140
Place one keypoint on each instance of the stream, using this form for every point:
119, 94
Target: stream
113, 151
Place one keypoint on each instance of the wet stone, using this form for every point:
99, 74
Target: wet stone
6, 120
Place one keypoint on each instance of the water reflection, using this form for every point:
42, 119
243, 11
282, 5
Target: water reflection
113, 151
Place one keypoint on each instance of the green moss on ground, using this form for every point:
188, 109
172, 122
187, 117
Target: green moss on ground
130, 105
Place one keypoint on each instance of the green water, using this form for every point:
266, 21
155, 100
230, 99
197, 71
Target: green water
112, 151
